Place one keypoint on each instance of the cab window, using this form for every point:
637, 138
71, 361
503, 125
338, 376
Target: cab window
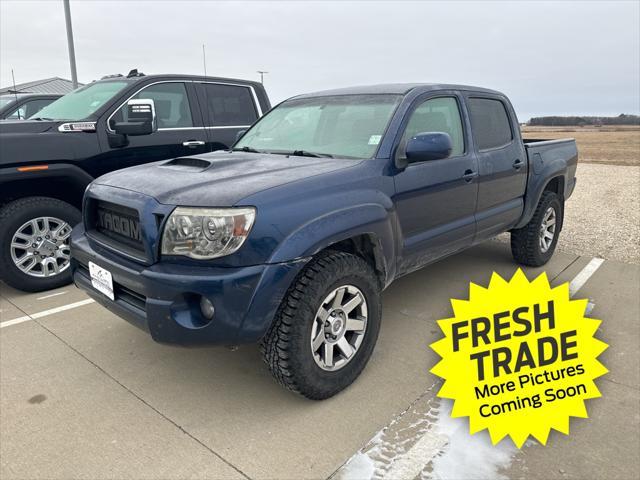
171, 104
490, 123
437, 115
229, 105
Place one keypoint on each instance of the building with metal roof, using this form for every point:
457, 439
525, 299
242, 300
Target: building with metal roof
48, 85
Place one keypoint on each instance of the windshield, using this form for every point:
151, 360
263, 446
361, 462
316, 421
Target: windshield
81, 103
349, 126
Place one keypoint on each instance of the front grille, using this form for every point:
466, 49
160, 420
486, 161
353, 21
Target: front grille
115, 226
119, 223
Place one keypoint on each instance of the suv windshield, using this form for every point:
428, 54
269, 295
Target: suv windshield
348, 126
81, 103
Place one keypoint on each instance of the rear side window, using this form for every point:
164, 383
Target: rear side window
490, 123
229, 105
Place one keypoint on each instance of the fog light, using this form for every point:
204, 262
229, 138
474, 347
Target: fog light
206, 307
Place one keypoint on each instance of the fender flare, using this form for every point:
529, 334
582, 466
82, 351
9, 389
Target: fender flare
70, 173
371, 219
534, 192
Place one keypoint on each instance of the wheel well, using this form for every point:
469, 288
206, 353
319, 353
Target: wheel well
61, 188
556, 185
367, 247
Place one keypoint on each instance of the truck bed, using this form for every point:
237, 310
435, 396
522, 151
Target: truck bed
558, 156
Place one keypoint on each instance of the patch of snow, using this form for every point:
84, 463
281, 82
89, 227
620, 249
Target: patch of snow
471, 457
359, 467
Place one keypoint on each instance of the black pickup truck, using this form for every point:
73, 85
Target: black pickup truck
47, 161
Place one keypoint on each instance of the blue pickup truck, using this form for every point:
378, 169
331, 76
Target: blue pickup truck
288, 239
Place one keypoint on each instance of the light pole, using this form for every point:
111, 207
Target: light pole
72, 51
261, 72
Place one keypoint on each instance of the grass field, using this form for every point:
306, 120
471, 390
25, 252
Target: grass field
610, 145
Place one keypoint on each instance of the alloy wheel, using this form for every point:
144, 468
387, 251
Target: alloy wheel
547, 229
339, 327
40, 247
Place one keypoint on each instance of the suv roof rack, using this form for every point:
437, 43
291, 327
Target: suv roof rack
135, 73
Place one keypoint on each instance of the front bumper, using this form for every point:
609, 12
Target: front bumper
163, 299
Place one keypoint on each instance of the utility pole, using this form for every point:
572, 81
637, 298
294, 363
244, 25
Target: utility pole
72, 51
262, 72
204, 60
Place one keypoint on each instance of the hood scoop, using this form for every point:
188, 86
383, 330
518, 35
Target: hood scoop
187, 164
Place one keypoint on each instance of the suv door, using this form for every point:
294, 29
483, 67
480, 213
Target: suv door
436, 200
227, 110
502, 165
180, 130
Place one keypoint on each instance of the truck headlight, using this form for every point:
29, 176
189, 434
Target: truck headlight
206, 233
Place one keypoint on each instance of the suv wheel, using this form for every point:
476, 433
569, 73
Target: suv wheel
326, 327
34, 243
534, 244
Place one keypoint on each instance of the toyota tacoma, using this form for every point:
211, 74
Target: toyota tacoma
288, 238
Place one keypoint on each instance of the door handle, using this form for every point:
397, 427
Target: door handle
517, 164
193, 143
469, 175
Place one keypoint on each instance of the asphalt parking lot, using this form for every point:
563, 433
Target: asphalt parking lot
86, 395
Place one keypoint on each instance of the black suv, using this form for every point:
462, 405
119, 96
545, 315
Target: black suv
46, 162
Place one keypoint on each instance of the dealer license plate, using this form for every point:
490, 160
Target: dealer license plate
101, 279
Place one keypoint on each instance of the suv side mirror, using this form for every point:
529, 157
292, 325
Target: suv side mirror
428, 146
141, 118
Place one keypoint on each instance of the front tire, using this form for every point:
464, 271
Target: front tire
533, 245
326, 327
34, 243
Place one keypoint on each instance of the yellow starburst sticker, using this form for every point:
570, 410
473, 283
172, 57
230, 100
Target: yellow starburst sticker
519, 358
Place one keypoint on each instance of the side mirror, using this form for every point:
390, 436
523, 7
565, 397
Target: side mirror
428, 146
141, 118
240, 134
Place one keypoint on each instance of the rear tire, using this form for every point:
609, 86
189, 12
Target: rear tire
533, 245
311, 313
43, 222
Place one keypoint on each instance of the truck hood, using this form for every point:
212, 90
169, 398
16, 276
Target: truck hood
219, 179
26, 126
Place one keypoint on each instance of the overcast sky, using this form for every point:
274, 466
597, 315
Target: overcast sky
549, 57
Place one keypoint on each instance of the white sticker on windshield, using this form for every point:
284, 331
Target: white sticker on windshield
374, 139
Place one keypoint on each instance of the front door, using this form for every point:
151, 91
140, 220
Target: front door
180, 130
436, 199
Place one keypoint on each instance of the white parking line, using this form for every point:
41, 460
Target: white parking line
44, 313
579, 280
52, 295
441, 442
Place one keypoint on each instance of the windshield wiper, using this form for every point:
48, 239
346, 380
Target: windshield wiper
42, 119
246, 149
304, 153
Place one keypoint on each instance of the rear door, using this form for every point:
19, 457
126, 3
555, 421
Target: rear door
227, 109
502, 164
180, 129
436, 200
